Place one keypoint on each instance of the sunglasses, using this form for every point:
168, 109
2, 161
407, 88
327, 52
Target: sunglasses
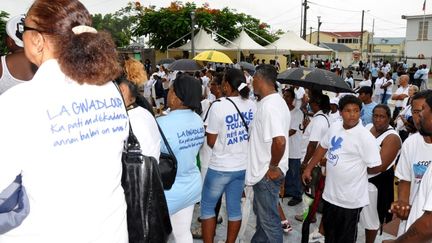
21, 28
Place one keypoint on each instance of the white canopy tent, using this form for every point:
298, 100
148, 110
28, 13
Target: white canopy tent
245, 42
291, 43
203, 41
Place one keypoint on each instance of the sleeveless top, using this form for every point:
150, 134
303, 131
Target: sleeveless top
7, 81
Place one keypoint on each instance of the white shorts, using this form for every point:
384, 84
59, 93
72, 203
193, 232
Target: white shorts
369, 215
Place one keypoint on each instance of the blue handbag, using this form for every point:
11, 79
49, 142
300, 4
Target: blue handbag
14, 206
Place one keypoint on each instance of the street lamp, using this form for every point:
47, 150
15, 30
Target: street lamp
319, 24
192, 14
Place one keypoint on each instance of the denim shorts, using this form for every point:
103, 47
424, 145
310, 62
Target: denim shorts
215, 184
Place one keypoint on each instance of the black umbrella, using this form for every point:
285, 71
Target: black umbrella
166, 61
187, 65
247, 66
314, 78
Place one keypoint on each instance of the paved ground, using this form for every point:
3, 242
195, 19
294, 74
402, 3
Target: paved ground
295, 235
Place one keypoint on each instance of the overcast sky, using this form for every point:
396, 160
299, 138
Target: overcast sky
336, 15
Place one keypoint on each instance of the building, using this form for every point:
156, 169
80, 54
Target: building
349, 38
387, 48
418, 45
340, 51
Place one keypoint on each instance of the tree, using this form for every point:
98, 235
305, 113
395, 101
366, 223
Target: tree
166, 25
4, 16
117, 24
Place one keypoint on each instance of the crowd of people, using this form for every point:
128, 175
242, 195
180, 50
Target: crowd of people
69, 99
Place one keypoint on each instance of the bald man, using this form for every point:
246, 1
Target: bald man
400, 94
15, 68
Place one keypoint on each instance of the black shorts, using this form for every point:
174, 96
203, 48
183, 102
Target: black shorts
340, 224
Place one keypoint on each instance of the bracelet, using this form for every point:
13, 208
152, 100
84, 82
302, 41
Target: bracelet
273, 166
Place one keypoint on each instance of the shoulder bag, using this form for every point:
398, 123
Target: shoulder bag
147, 211
167, 164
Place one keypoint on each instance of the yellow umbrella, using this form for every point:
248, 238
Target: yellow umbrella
213, 56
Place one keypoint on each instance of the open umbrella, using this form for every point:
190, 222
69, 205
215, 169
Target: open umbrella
314, 78
166, 61
213, 56
247, 66
186, 65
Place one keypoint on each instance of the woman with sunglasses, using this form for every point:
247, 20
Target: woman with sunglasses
64, 130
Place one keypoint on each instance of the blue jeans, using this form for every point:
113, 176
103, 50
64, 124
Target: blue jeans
384, 98
215, 184
265, 203
293, 186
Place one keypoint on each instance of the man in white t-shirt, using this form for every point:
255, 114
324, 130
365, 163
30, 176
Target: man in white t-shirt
414, 160
419, 147
400, 94
351, 149
268, 154
315, 131
293, 187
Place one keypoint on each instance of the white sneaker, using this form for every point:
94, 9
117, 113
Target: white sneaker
316, 236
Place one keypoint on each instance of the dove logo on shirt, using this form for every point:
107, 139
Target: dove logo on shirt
332, 157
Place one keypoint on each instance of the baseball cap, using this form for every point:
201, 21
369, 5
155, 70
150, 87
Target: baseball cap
12, 29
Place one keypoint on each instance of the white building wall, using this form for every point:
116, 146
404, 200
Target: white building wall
414, 47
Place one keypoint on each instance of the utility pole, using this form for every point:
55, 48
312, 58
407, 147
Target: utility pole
192, 14
301, 18
319, 25
304, 19
361, 36
372, 45
310, 35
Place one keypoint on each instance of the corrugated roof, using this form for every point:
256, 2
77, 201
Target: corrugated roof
336, 47
344, 34
388, 40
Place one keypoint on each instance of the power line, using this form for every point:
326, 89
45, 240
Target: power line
385, 20
339, 9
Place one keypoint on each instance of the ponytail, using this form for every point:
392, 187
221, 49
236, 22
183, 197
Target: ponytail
89, 58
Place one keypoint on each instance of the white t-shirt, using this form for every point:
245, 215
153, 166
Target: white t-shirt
272, 120
67, 141
230, 149
423, 200
350, 152
378, 83
315, 131
296, 138
205, 150
365, 83
145, 129
401, 90
299, 94
389, 89
334, 117
350, 81
415, 158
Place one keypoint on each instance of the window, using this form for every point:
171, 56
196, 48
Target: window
393, 51
423, 30
355, 41
333, 39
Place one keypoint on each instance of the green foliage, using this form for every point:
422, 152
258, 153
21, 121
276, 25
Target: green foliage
119, 27
166, 25
4, 16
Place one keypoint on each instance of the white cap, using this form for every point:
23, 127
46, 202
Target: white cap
334, 101
11, 29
